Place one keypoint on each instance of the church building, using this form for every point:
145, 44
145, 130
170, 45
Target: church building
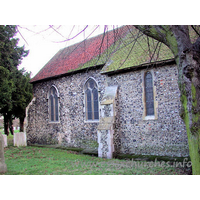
115, 93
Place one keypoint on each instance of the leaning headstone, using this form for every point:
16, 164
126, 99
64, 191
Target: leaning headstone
3, 167
5, 140
20, 139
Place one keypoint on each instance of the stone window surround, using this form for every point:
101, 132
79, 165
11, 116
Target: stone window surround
58, 94
84, 106
144, 116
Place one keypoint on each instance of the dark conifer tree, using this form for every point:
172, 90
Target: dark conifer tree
10, 57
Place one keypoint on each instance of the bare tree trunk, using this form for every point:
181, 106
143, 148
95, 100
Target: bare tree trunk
11, 129
21, 121
187, 56
189, 84
6, 124
11, 126
10, 122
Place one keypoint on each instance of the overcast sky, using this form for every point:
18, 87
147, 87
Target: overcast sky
41, 46
44, 41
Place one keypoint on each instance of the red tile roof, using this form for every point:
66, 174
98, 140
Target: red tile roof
118, 49
74, 57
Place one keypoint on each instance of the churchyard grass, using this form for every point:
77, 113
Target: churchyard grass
2, 131
49, 161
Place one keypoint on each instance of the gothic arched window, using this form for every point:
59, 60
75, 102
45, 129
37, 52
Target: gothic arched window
149, 97
91, 100
53, 105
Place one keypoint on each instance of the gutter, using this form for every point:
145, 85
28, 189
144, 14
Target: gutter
67, 74
139, 67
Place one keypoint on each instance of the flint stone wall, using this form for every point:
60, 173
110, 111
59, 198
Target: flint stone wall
71, 130
133, 135
164, 136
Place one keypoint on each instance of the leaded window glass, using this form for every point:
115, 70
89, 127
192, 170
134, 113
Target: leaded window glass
89, 104
149, 97
53, 105
91, 100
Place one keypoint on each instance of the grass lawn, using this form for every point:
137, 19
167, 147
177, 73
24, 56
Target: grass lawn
15, 131
48, 161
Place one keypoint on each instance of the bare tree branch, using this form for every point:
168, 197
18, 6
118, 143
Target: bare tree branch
195, 29
51, 26
74, 36
22, 35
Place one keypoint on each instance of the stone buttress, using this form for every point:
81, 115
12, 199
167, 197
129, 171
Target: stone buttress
105, 130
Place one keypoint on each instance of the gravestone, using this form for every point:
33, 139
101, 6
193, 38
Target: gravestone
3, 167
20, 139
5, 140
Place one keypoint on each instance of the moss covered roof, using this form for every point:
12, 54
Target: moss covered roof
137, 49
118, 49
